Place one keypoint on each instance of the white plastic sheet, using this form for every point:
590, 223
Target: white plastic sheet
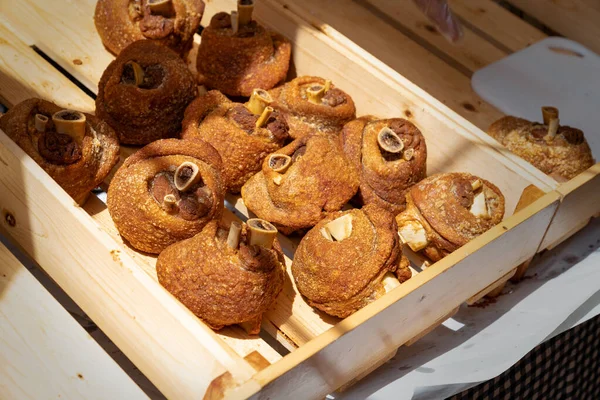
561, 290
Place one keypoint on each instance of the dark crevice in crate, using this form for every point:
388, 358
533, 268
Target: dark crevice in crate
479, 32
64, 72
528, 18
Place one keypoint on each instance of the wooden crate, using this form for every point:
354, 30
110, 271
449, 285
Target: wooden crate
117, 287
402, 43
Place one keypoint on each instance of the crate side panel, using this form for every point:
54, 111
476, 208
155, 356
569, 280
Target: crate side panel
339, 355
26, 74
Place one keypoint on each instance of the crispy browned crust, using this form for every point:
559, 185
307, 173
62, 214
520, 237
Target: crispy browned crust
441, 203
304, 117
237, 64
141, 116
318, 183
216, 282
339, 278
138, 216
566, 156
100, 147
242, 153
122, 22
384, 183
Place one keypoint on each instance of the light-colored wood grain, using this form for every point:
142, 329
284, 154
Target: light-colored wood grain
44, 352
402, 54
496, 23
24, 75
529, 195
498, 284
326, 51
368, 335
468, 55
575, 19
432, 327
367, 370
79, 51
580, 203
132, 309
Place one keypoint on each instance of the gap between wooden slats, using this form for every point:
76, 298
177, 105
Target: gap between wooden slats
402, 54
578, 20
297, 320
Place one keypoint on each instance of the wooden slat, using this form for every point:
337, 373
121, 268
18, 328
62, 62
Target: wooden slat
79, 51
580, 203
234, 336
368, 370
301, 326
468, 55
44, 352
576, 19
496, 23
25, 74
399, 52
491, 288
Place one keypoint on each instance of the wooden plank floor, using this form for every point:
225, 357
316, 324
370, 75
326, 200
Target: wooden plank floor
402, 37
44, 352
576, 19
393, 47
